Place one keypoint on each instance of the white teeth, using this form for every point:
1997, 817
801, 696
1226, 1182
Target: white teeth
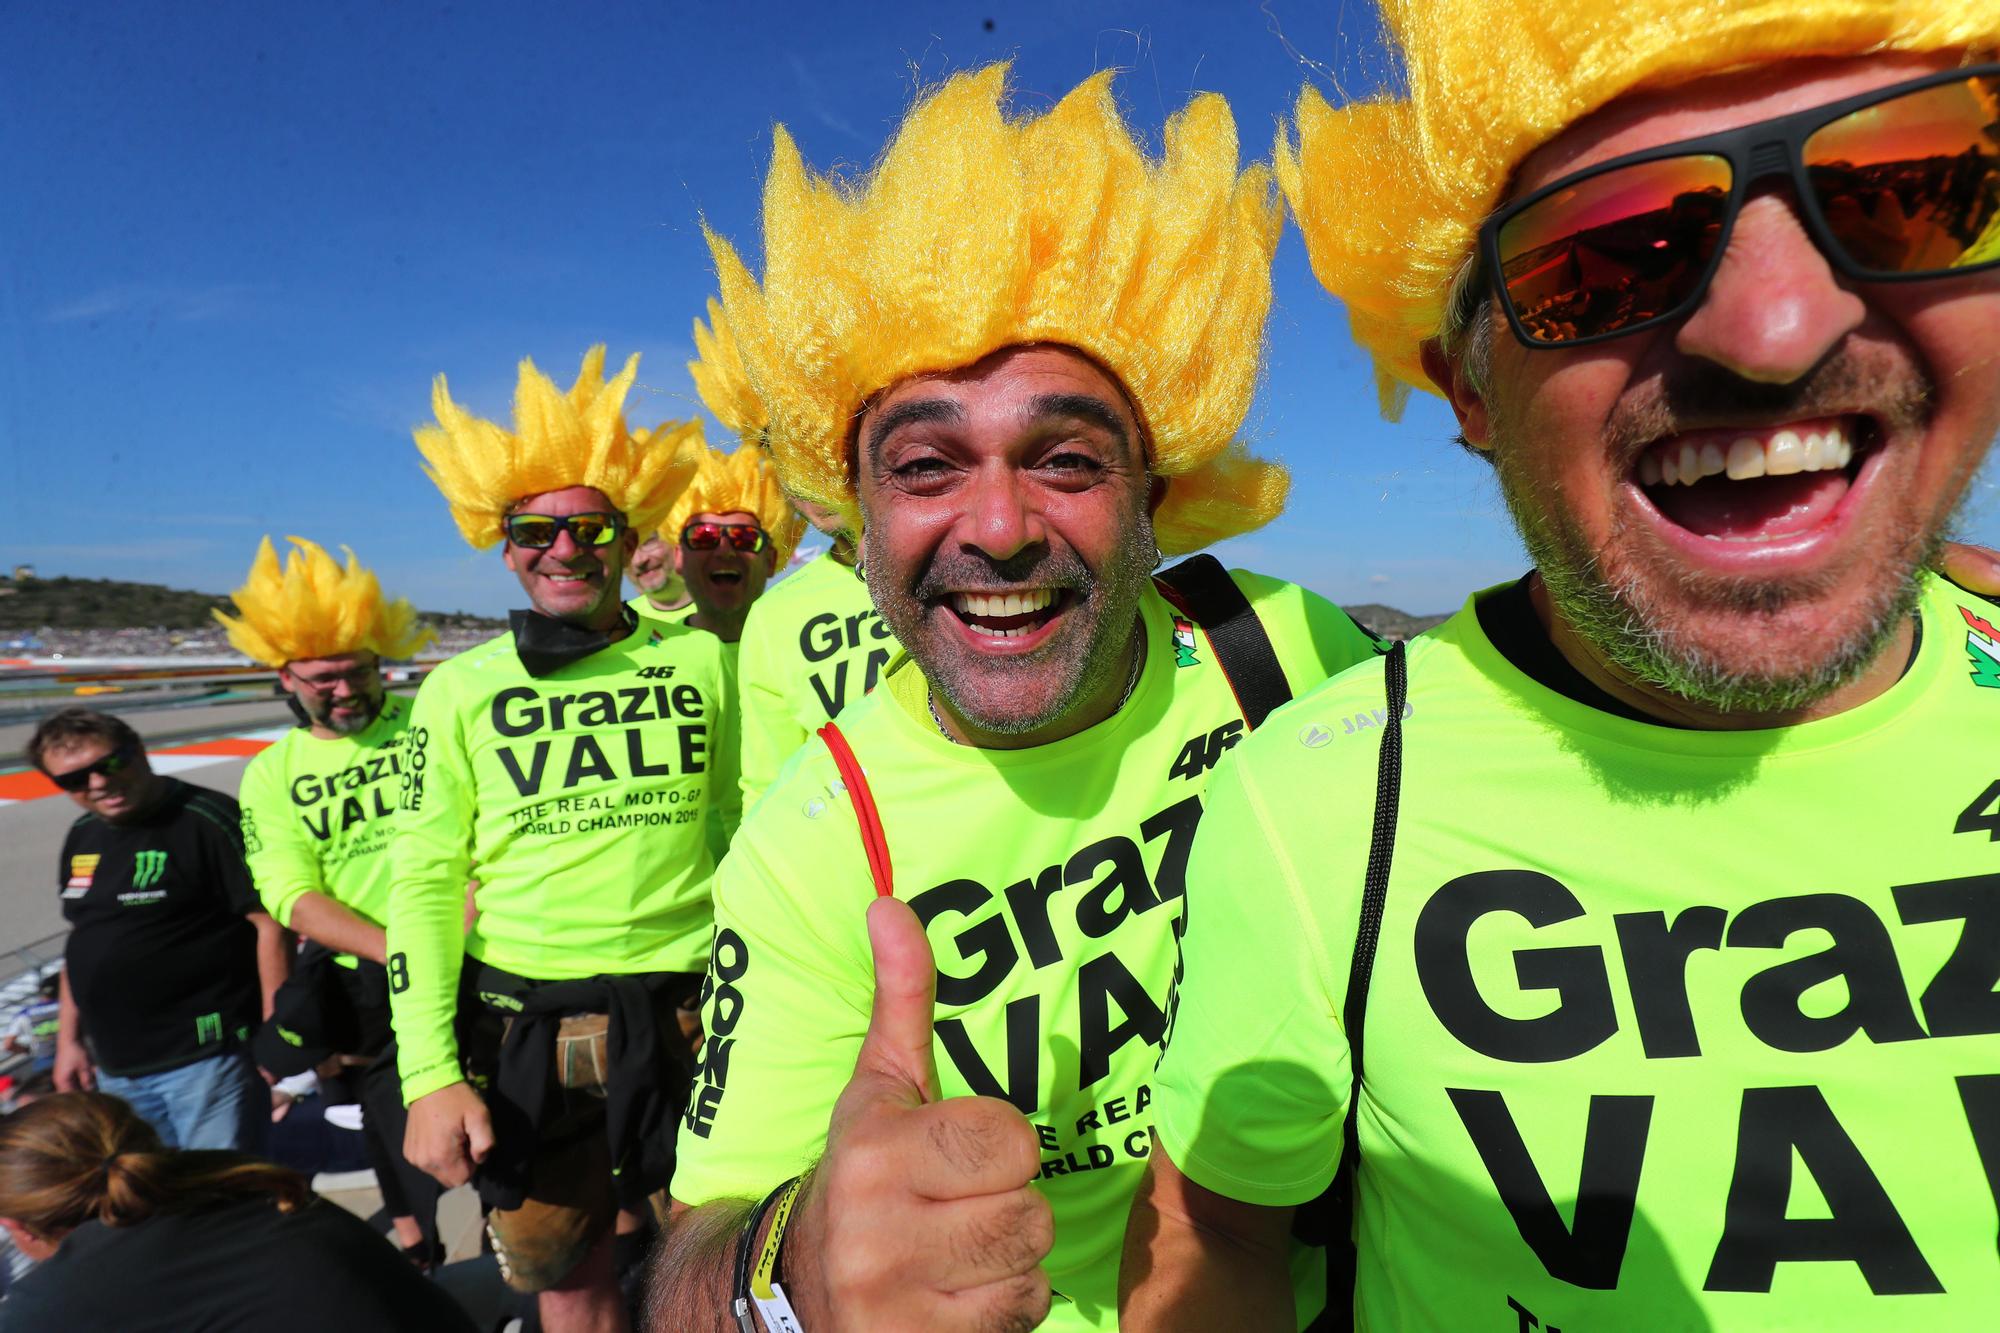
1747, 456
997, 605
1784, 455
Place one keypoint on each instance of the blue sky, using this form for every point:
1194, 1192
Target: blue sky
239, 240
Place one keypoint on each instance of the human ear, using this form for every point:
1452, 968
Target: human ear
1468, 403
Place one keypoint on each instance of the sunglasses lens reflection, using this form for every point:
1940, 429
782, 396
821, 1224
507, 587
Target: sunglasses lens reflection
539, 531
1912, 185
1614, 249
532, 532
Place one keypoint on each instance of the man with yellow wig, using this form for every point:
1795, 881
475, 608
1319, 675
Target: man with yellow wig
1672, 942
1015, 359
573, 768
730, 533
815, 641
319, 809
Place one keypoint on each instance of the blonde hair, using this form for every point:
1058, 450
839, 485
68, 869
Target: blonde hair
81, 1156
312, 607
976, 231
1389, 193
559, 440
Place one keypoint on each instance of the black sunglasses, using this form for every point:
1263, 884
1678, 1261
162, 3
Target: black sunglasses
1894, 185
538, 532
745, 537
117, 761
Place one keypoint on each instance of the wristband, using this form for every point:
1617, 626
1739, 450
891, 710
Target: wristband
756, 1284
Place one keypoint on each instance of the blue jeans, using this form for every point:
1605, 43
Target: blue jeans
217, 1102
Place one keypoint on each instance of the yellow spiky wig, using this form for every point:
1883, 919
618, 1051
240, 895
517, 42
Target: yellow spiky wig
745, 480
559, 440
722, 382
1389, 193
976, 231
742, 481
312, 607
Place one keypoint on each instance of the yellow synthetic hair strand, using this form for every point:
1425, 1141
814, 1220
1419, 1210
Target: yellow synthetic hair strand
977, 230
722, 382
1389, 193
311, 607
559, 440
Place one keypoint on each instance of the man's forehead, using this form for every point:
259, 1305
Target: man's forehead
328, 666
568, 500
68, 754
726, 516
1024, 383
1719, 101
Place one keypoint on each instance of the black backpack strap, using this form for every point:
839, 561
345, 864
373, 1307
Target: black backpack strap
1201, 589
1336, 1206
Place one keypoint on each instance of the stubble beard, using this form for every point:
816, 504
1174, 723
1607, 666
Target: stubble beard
1084, 657
323, 716
1623, 604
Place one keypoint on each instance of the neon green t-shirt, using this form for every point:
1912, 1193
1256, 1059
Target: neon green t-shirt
582, 803
318, 816
1733, 991
1049, 879
812, 645
644, 606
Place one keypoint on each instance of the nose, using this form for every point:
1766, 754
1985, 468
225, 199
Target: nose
1774, 308
1000, 520
565, 547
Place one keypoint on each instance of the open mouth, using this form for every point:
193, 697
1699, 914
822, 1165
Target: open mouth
725, 578
1021, 614
1763, 485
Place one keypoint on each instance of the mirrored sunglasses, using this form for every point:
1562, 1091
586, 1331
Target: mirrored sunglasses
1899, 184
538, 532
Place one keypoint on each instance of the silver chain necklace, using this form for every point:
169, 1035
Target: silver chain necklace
1131, 682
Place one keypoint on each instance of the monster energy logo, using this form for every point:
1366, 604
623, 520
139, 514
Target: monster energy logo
147, 867
207, 1028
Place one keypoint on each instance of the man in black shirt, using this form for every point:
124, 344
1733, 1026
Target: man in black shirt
171, 960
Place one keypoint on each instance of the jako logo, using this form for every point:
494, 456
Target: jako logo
147, 867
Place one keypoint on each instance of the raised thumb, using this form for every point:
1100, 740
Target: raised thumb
898, 1044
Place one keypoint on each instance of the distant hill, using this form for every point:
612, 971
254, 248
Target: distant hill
67, 603
1390, 623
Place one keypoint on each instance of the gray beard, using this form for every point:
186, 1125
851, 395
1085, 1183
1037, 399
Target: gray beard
1622, 621
324, 718
1111, 595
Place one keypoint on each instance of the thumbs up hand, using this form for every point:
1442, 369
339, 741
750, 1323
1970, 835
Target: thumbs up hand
920, 1214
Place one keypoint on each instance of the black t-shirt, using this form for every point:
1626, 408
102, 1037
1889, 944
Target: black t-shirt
243, 1266
161, 962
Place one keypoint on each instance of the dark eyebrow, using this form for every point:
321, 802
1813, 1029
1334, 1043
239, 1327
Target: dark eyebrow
1080, 407
913, 412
